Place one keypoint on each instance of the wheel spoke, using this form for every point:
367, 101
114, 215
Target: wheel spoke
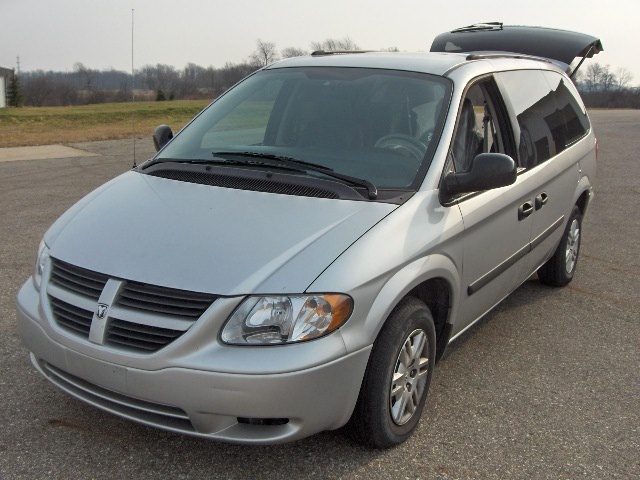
397, 386
409, 378
399, 408
573, 244
415, 400
419, 341
423, 366
404, 358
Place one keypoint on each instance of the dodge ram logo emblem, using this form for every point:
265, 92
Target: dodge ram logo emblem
102, 310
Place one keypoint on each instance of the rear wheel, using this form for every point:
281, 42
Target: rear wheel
559, 269
397, 379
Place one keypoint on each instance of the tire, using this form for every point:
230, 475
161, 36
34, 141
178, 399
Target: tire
560, 268
396, 382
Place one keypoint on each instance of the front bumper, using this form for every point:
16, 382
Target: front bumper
236, 407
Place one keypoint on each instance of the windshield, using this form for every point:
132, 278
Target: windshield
371, 124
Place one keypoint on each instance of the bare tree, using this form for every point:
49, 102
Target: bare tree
332, 44
623, 77
149, 77
264, 54
38, 88
293, 52
593, 77
189, 79
86, 75
390, 49
607, 78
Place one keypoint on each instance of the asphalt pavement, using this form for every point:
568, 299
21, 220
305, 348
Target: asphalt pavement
546, 386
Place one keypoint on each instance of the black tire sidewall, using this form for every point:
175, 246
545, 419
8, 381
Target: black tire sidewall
410, 315
554, 272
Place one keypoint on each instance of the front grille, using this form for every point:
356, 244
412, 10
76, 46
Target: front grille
149, 413
142, 318
78, 280
245, 183
163, 300
139, 337
71, 318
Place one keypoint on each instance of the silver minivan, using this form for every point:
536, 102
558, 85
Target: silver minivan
299, 256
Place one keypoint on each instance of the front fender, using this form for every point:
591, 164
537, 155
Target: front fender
419, 241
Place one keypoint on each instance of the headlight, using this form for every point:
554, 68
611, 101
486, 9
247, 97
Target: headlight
41, 260
289, 319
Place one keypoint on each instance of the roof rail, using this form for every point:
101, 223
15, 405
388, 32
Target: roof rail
489, 55
320, 53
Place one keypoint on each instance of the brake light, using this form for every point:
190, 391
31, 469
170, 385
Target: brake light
596, 149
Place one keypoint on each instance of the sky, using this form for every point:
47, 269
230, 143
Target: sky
55, 34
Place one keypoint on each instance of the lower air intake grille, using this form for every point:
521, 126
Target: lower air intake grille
149, 413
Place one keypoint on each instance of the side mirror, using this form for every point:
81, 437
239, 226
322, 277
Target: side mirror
488, 170
161, 136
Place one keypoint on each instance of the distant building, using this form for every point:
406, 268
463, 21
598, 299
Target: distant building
5, 77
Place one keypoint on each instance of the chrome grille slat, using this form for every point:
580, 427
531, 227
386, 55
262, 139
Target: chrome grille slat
60, 275
141, 336
72, 317
131, 343
78, 280
82, 272
153, 307
143, 329
164, 300
76, 327
175, 293
142, 318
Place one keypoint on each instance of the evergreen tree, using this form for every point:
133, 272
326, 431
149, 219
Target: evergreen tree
14, 93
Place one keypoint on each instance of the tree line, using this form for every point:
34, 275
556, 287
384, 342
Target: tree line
599, 85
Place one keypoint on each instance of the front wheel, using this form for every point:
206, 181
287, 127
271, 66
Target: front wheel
559, 269
397, 379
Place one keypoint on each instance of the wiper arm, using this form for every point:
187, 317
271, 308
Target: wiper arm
372, 191
217, 161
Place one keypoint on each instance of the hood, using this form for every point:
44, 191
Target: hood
208, 239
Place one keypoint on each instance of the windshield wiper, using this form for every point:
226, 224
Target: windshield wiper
372, 191
218, 161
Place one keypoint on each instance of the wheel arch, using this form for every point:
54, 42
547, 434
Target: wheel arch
436, 294
434, 281
584, 200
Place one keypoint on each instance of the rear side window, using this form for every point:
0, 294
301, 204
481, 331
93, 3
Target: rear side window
550, 117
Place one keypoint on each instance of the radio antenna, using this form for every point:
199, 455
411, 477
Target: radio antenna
133, 96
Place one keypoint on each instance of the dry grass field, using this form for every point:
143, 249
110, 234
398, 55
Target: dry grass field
52, 125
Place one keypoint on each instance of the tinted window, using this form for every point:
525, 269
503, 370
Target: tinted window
548, 113
572, 115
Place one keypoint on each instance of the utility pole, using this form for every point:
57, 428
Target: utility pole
18, 63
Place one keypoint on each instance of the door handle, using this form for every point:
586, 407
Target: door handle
525, 210
541, 200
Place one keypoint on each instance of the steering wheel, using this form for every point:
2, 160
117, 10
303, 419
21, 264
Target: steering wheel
403, 144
